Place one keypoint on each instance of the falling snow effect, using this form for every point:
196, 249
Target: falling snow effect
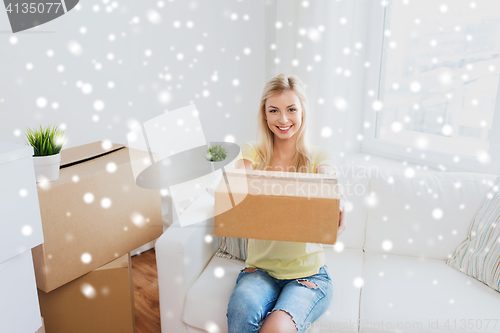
108, 77
166, 75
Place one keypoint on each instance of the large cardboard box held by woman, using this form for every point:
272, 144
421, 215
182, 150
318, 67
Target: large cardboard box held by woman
273, 205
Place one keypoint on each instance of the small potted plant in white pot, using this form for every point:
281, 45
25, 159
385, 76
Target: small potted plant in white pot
47, 144
215, 154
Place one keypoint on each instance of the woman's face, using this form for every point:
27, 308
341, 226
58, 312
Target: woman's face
284, 114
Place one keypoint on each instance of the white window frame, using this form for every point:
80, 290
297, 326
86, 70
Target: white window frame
433, 159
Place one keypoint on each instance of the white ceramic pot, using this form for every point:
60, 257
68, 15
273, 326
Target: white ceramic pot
47, 167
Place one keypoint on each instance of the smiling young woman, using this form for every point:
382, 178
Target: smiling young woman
285, 286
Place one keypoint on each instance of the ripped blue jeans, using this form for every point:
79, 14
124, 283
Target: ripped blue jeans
257, 294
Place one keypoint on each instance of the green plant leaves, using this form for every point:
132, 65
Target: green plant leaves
216, 154
45, 141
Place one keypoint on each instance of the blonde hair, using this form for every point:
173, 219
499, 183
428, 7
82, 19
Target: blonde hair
279, 84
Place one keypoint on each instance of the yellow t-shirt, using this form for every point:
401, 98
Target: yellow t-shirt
280, 259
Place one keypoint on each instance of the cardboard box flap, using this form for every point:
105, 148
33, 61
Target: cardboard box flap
86, 152
284, 175
287, 184
94, 165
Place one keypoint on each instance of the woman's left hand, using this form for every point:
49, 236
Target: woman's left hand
341, 223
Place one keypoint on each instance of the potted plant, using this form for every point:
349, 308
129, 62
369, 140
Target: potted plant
47, 143
215, 154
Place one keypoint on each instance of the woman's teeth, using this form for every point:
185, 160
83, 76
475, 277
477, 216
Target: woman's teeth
284, 128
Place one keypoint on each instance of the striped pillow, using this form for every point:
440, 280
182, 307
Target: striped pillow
479, 255
232, 248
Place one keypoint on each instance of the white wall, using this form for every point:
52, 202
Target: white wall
312, 43
137, 80
140, 81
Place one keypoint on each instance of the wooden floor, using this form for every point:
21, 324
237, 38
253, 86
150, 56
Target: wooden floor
146, 296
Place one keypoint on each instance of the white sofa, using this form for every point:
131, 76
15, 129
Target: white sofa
390, 276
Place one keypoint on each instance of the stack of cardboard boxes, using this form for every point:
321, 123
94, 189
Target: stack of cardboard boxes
92, 217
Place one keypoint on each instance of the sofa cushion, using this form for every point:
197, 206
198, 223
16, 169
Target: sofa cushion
409, 291
191, 329
479, 255
354, 181
207, 300
426, 215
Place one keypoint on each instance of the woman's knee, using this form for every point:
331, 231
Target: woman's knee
242, 303
251, 299
279, 321
241, 319
246, 309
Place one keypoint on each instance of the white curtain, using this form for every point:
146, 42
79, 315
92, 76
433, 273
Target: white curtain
323, 42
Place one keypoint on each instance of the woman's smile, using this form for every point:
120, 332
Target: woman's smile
284, 129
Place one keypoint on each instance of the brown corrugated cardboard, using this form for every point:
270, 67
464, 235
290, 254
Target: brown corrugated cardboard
93, 213
101, 301
281, 206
